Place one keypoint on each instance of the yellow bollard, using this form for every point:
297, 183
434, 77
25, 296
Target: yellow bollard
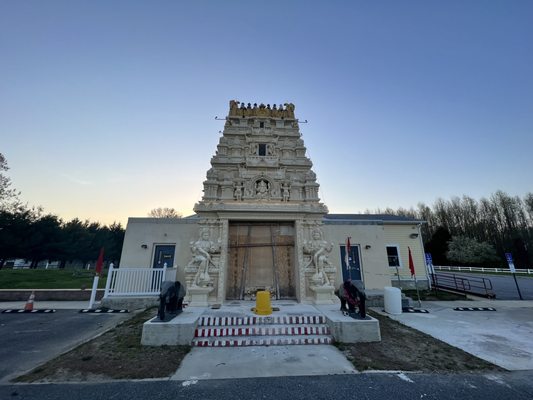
262, 303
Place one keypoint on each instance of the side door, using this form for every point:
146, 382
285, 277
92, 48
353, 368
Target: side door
351, 270
164, 253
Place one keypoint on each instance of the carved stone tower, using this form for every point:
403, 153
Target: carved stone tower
261, 202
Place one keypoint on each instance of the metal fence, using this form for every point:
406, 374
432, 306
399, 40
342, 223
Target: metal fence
481, 269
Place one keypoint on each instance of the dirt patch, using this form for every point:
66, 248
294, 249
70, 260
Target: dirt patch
117, 354
406, 349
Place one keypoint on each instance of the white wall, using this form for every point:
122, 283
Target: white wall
374, 264
157, 231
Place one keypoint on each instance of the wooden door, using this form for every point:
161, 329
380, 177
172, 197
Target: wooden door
261, 257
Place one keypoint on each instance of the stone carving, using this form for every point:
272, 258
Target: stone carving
261, 110
254, 149
248, 154
289, 110
262, 188
233, 107
202, 251
286, 192
318, 249
270, 149
238, 191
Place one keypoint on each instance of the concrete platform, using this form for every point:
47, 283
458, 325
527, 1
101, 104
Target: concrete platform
181, 329
502, 337
345, 329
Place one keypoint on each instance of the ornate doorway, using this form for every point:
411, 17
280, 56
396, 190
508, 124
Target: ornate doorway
261, 257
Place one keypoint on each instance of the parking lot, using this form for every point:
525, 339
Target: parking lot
27, 340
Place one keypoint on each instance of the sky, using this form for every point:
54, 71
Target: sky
107, 108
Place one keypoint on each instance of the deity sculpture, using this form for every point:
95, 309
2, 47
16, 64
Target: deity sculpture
261, 188
202, 250
238, 191
286, 192
318, 249
270, 149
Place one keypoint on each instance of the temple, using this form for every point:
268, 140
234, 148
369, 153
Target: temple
260, 224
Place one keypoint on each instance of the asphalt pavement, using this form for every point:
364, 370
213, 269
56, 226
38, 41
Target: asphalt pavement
27, 340
383, 386
503, 286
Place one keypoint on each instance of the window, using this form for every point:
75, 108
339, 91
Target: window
393, 255
261, 124
262, 149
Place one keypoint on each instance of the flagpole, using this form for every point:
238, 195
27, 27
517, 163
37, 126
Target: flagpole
417, 292
413, 275
398, 275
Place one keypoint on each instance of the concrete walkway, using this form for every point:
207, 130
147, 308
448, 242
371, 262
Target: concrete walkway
262, 361
503, 337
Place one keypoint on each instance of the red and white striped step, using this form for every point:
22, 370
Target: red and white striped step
261, 341
254, 330
274, 320
261, 331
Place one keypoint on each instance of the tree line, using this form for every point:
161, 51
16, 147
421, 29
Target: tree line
476, 232
29, 233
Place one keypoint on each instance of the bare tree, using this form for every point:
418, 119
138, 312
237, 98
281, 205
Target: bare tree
164, 212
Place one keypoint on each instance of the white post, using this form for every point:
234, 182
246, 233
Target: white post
108, 282
163, 277
93, 292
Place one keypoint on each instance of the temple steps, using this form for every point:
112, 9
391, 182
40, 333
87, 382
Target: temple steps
254, 330
235, 341
262, 331
262, 320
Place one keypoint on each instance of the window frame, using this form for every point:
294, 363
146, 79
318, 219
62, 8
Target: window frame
400, 264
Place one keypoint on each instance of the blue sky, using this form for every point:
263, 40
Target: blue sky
107, 108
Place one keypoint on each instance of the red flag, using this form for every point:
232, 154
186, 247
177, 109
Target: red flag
411, 263
100, 262
347, 253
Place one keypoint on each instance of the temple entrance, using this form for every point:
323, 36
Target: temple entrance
261, 257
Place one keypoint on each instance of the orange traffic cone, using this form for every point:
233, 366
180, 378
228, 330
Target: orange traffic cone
29, 303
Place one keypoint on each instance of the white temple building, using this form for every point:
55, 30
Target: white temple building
260, 225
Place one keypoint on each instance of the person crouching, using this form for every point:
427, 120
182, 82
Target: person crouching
352, 294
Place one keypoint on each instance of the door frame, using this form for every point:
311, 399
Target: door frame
342, 247
155, 246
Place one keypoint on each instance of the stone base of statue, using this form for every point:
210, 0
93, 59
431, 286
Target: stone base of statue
198, 296
323, 294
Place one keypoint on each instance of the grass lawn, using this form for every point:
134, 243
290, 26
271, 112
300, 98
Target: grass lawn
48, 279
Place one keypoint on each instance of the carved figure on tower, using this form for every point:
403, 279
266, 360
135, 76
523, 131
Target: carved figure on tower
262, 188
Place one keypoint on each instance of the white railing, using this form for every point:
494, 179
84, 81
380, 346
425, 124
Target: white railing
134, 281
481, 269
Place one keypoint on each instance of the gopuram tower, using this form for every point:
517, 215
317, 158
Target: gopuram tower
260, 214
